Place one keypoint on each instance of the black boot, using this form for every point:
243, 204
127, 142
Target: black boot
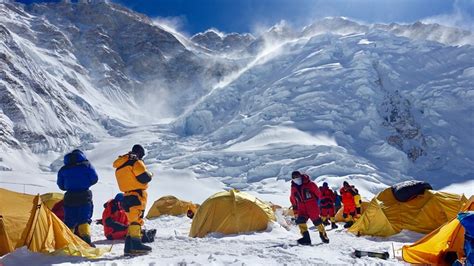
324, 237
333, 225
126, 248
348, 224
326, 222
305, 240
136, 247
88, 240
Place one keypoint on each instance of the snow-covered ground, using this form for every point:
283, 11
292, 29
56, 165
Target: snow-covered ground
173, 246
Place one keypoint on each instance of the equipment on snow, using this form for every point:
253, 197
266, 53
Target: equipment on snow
405, 191
380, 255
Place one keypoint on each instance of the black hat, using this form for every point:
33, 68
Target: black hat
138, 150
345, 184
295, 174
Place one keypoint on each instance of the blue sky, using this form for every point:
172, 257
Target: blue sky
192, 16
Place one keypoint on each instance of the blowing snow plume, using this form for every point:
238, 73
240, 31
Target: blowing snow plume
461, 17
157, 102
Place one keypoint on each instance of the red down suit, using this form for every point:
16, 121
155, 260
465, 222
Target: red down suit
304, 199
326, 202
114, 220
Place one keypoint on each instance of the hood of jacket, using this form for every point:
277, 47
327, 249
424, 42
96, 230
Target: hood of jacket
74, 157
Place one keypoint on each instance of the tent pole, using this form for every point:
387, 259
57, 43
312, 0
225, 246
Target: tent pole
37, 208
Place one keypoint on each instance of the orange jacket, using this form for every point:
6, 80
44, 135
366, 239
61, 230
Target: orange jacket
131, 173
347, 194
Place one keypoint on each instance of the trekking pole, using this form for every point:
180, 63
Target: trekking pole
393, 248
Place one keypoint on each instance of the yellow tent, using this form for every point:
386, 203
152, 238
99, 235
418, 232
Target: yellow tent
386, 216
339, 213
170, 205
231, 212
50, 199
432, 248
26, 221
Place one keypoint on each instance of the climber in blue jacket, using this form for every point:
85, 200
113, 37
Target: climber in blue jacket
76, 177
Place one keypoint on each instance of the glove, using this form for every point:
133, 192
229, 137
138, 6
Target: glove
115, 225
295, 211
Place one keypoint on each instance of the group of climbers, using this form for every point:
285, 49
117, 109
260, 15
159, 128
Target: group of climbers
123, 216
319, 205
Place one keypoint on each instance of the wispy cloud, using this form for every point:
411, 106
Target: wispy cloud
459, 18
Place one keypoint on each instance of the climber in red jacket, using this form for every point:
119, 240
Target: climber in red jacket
114, 219
326, 203
304, 199
115, 222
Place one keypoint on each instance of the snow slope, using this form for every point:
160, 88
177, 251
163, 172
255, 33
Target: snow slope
401, 107
72, 73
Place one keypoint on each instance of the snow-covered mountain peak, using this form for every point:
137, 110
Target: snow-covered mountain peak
416, 31
335, 83
221, 42
430, 31
334, 25
101, 61
376, 91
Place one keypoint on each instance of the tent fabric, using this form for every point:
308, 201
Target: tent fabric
54, 202
340, 212
386, 216
50, 199
274, 207
26, 221
433, 248
231, 212
170, 205
407, 190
